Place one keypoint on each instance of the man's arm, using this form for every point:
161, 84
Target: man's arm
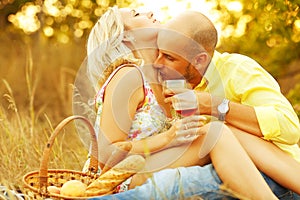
241, 116
256, 106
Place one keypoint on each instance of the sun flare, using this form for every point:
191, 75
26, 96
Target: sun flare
165, 10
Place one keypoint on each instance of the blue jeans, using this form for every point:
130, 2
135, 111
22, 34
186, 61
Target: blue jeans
185, 183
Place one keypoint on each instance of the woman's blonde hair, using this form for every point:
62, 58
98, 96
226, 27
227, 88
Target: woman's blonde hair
105, 48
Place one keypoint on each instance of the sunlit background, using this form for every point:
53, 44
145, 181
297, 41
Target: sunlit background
27, 18
55, 12
167, 9
43, 44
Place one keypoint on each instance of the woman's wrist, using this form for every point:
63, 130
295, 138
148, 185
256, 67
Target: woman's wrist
168, 136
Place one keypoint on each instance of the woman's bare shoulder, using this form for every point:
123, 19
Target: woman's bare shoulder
128, 79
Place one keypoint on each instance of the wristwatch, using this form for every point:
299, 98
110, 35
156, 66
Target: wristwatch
223, 108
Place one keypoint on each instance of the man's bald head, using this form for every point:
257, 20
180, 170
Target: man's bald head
196, 26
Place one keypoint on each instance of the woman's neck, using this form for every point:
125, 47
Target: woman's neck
149, 56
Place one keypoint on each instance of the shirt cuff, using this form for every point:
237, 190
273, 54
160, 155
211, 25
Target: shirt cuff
292, 150
268, 122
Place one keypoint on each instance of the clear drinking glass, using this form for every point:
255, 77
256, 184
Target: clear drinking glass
174, 85
185, 103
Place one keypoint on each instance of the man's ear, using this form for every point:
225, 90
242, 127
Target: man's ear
201, 59
201, 62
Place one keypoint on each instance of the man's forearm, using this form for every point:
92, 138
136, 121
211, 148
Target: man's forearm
243, 117
240, 116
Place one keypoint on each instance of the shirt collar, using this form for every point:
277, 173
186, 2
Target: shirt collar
209, 73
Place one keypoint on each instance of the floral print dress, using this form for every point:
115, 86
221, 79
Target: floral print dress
148, 120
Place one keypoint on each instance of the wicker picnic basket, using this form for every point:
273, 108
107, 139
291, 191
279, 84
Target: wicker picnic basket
36, 182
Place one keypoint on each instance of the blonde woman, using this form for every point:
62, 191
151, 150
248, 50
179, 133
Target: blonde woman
121, 49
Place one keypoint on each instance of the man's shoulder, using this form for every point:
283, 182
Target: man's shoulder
233, 56
235, 60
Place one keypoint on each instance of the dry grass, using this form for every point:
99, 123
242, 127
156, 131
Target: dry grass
36, 94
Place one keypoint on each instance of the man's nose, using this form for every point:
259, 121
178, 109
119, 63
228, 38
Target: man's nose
157, 63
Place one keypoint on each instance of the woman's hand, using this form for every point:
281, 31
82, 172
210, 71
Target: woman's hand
186, 130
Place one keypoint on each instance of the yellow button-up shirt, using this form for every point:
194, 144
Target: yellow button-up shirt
241, 79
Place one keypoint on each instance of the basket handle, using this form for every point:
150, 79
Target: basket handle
93, 167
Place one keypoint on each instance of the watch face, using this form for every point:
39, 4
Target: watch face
223, 108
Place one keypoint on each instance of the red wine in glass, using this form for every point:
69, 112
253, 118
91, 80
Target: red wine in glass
185, 104
168, 95
187, 112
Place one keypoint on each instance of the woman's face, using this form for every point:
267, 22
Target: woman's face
133, 19
141, 26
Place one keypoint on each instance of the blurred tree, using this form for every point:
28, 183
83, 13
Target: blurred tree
8, 7
62, 19
294, 96
271, 27
269, 32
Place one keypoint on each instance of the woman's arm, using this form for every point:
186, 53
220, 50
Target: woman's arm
123, 95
